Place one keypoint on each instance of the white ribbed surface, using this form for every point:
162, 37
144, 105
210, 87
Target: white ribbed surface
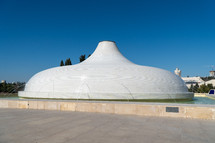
107, 74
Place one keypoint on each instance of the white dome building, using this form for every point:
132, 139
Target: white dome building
106, 75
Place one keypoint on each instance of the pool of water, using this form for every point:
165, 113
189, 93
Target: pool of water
196, 100
199, 100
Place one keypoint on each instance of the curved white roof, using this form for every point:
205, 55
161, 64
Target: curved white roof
106, 74
212, 81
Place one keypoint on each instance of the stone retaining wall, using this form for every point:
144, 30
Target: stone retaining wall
200, 94
125, 108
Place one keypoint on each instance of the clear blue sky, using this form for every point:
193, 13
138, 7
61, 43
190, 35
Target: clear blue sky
38, 34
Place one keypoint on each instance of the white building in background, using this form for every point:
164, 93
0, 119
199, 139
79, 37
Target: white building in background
192, 81
212, 73
106, 74
212, 81
178, 72
3, 81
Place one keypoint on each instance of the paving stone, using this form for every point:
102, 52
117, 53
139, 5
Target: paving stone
43, 126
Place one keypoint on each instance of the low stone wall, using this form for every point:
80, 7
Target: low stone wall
200, 94
125, 108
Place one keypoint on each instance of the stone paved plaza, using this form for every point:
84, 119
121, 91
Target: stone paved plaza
42, 126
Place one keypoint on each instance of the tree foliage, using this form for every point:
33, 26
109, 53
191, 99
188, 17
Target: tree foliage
82, 58
195, 88
11, 87
68, 62
61, 63
201, 89
207, 78
191, 88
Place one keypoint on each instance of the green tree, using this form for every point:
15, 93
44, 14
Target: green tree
191, 88
203, 89
10, 88
1, 88
68, 62
82, 58
4, 87
195, 88
61, 63
210, 86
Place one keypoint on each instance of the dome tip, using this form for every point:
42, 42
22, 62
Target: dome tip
107, 41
